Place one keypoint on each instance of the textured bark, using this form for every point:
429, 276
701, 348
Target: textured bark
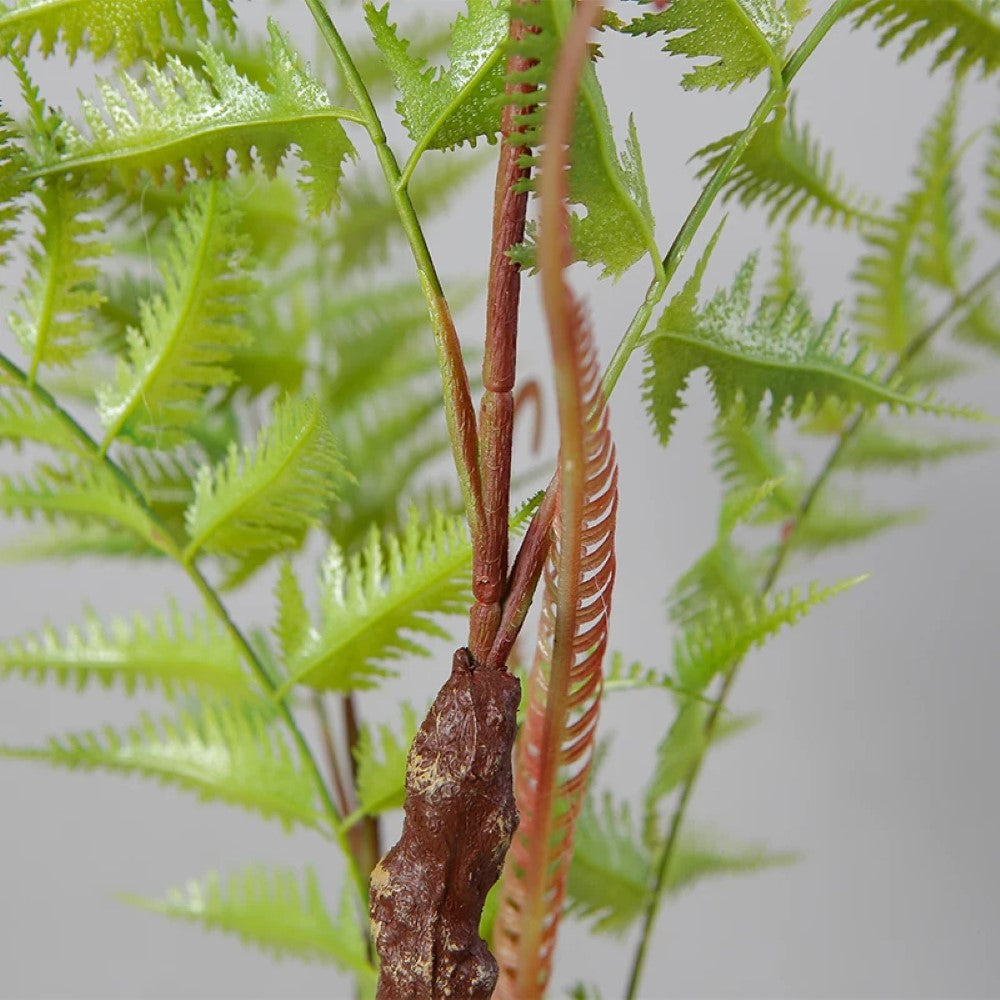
427, 893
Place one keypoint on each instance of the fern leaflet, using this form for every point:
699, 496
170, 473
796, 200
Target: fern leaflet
168, 651
381, 764
879, 445
966, 33
227, 752
12, 181
460, 104
265, 498
273, 909
130, 27
189, 121
188, 333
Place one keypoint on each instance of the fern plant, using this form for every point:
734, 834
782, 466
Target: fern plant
232, 365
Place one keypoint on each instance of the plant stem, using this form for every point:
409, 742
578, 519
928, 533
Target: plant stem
159, 536
459, 412
675, 255
912, 349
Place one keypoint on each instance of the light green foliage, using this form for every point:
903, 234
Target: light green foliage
725, 632
618, 226
169, 650
739, 39
130, 27
12, 181
981, 325
837, 520
53, 317
448, 107
224, 751
881, 445
778, 351
785, 169
191, 122
266, 497
188, 333
374, 604
381, 763
964, 34
23, 418
991, 208
274, 909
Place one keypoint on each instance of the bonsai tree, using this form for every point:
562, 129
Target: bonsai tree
233, 355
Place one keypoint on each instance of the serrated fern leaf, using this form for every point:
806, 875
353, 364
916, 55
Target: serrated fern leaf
54, 309
698, 857
191, 122
784, 169
739, 39
24, 418
725, 633
266, 497
84, 541
459, 104
835, 520
76, 492
617, 227
274, 909
778, 351
964, 33
130, 27
12, 181
373, 605
223, 753
381, 763
168, 651
877, 445
980, 326
188, 333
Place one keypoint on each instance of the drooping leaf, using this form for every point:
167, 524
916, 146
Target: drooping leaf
775, 351
459, 104
381, 761
266, 497
228, 752
842, 520
168, 650
374, 605
964, 34
785, 169
186, 335
274, 909
191, 122
617, 228
129, 27
738, 39
877, 444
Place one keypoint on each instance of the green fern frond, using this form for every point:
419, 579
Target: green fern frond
980, 326
449, 107
991, 208
82, 541
55, 307
130, 27
166, 481
739, 39
634, 676
784, 169
188, 122
965, 33
24, 418
225, 752
169, 650
725, 632
698, 857
188, 333
778, 351
274, 909
618, 227
374, 604
12, 181
82, 493
834, 520
877, 445
266, 497
888, 310
381, 763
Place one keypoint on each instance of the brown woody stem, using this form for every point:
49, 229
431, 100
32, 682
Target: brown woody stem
496, 419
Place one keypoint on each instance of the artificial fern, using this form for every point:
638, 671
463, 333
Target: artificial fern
266, 497
274, 909
381, 763
225, 751
193, 121
170, 650
189, 333
130, 27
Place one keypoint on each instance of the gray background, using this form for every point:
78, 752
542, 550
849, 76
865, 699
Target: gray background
877, 749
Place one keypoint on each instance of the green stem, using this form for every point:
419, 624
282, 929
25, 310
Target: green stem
159, 536
459, 412
675, 255
912, 349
